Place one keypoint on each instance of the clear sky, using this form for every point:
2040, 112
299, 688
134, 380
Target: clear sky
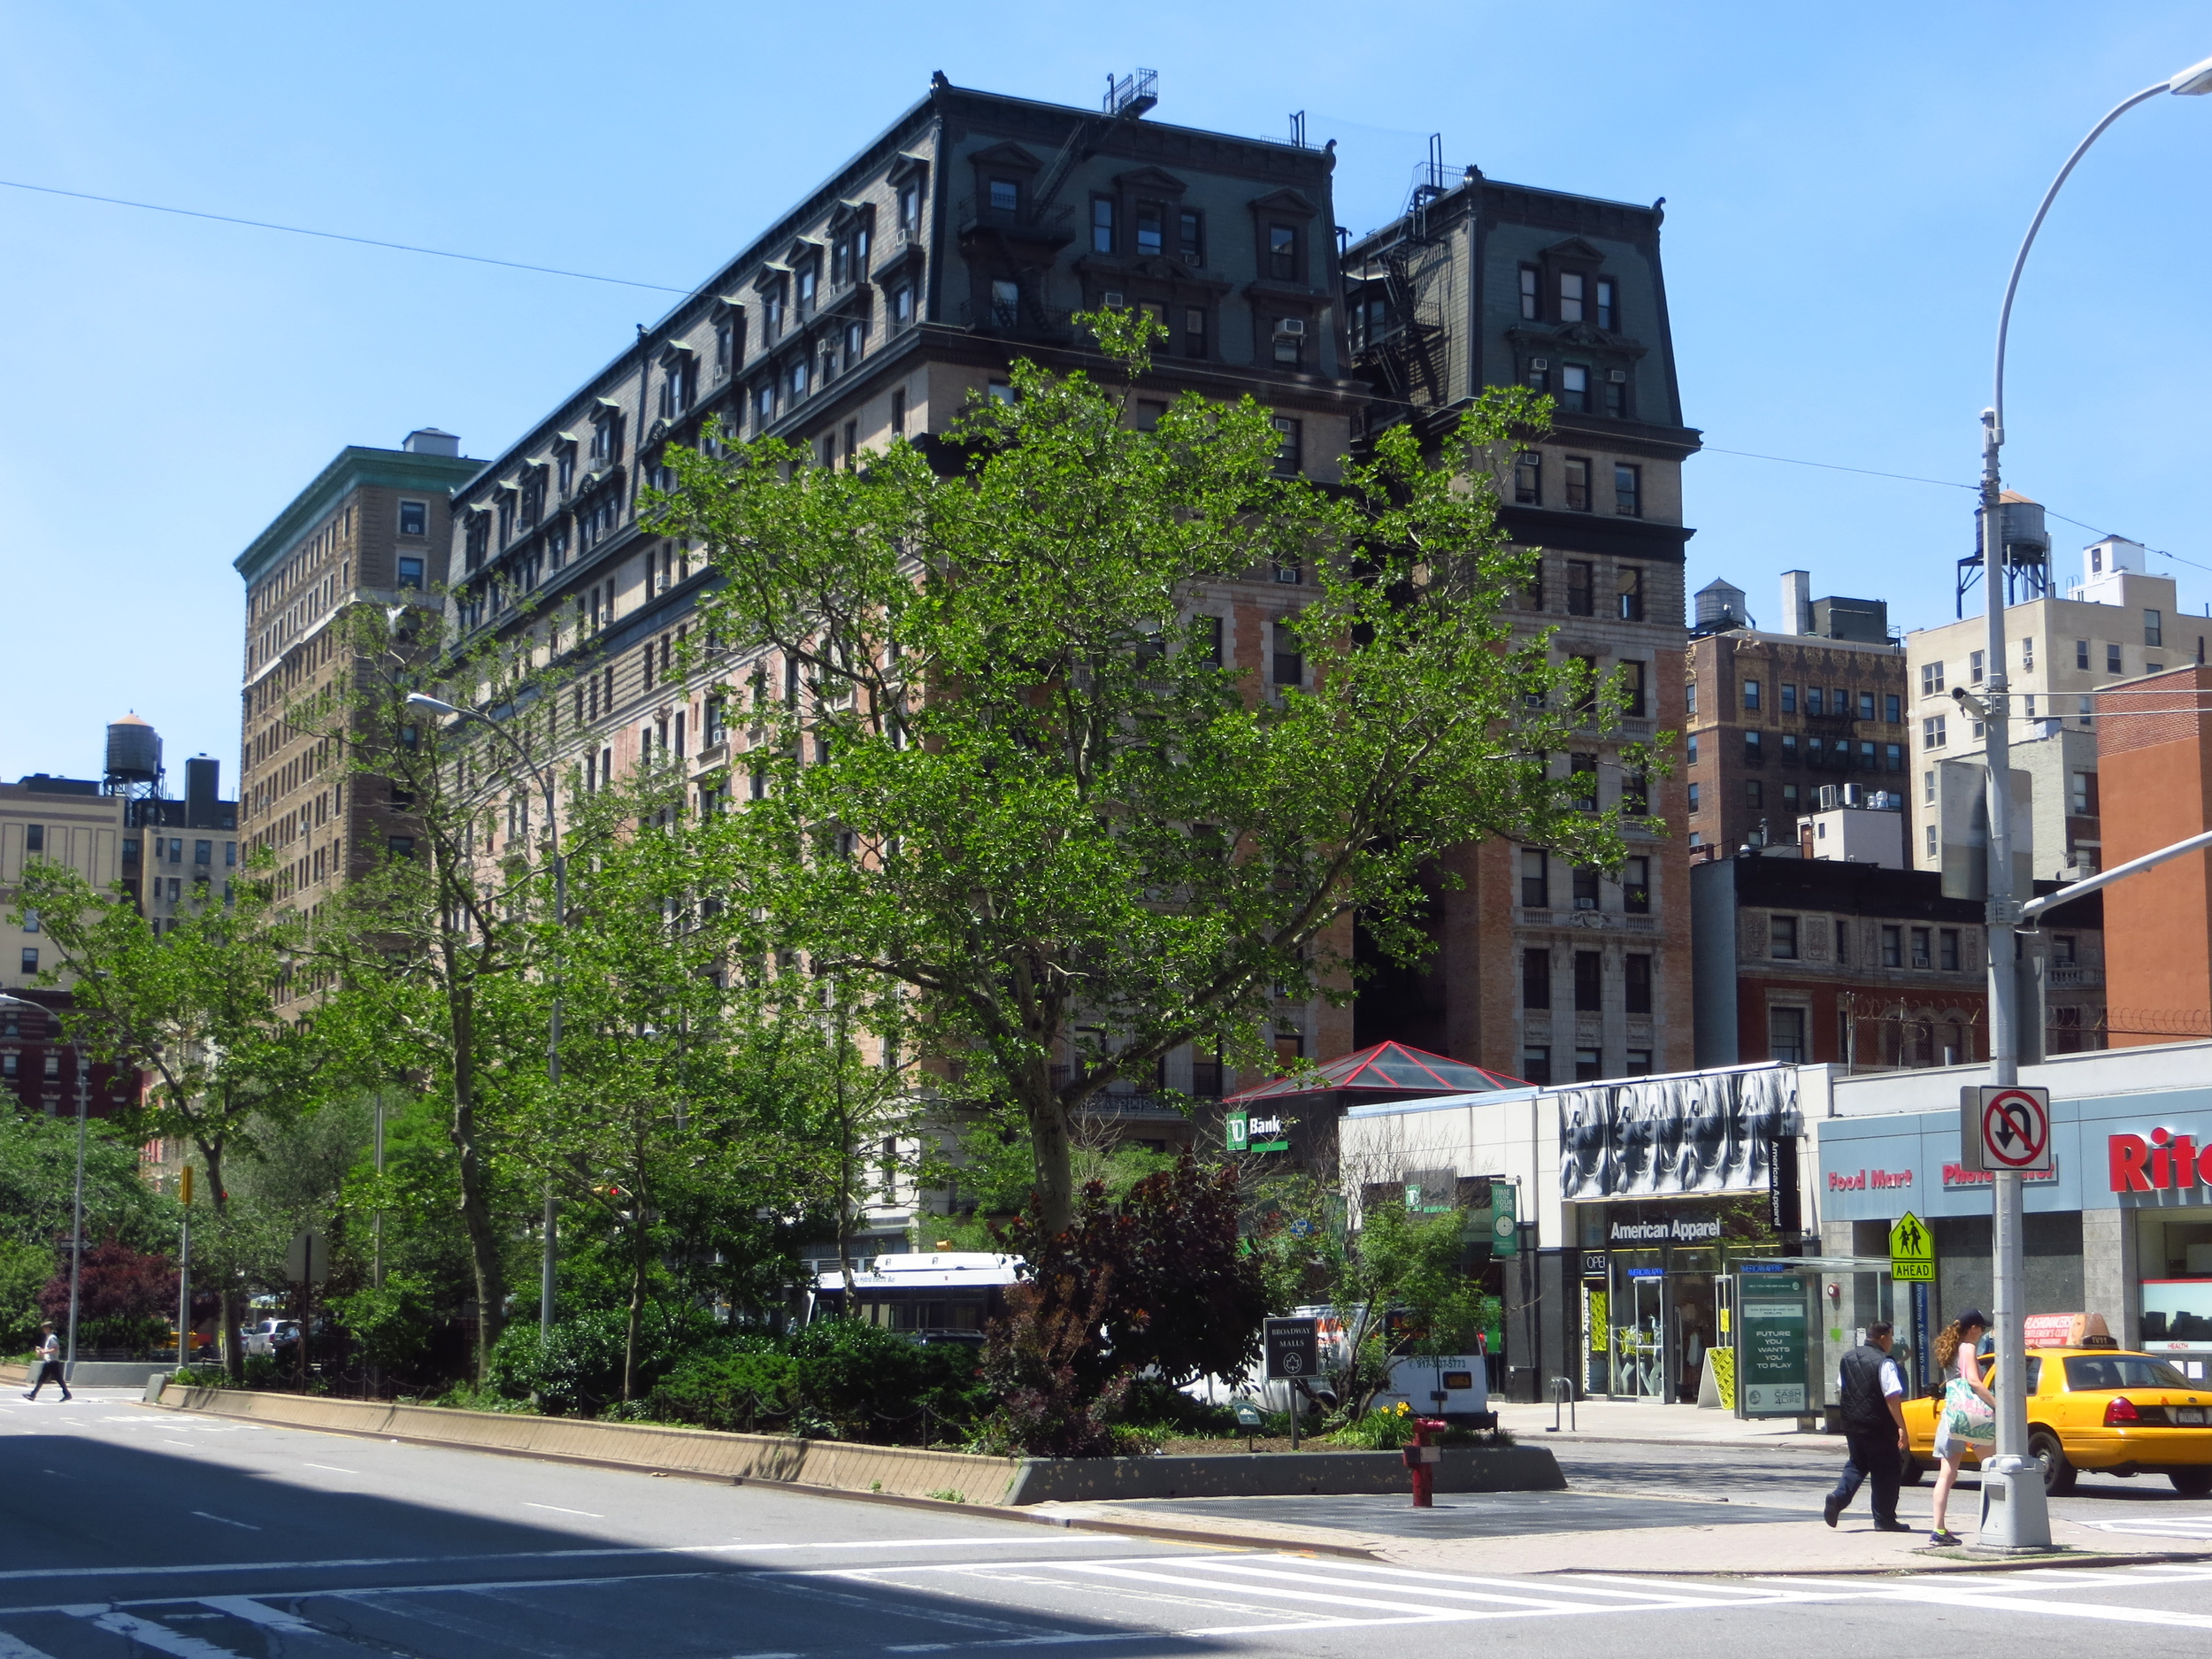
1845, 188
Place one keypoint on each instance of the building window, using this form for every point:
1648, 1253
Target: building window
1577, 483
1973, 668
1289, 459
1892, 946
1102, 224
1754, 793
1754, 754
1930, 842
1892, 758
2111, 659
1866, 705
1582, 775
1589, 1065
1789, 697
1571, 287
1932, 731
1632, 689
1628, 490
1528, 479
1587, 878
1289, 658
1006, 299
1536, 1063
1282, 253
1931, 679
1694, 797
1892, 708
2154, 628
1151, 229
35, 839
1608, 313
1782, 938
1816, 700
1191, 234
1617, 394
1536, 979
1920, 958
414, 517
2063, 951
1193, 331
1006, 196
2081, 799
1751, 695
1535, 879
1689, 747
1636, 887
1786, 1035
1532, 309
1689, 696
1589, 983
1574, 388
30, 960
1948, 950
1581, 589
1636, 983
2081, 653
1631, 594
410, 572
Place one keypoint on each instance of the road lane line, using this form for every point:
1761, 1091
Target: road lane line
1216, 1588
244, 1607
562, 1509
160, 1638
245, 1526
332, 1467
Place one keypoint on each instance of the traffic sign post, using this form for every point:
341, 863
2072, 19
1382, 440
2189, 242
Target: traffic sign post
1294, 1356
1911, 1250
2005, 1129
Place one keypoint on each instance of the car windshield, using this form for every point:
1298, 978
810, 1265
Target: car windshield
2092, 1372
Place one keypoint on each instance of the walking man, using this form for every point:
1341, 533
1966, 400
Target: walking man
48, 1363
1872, 1391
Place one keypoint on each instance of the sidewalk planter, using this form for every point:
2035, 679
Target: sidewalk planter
889, 1470
1281, 1475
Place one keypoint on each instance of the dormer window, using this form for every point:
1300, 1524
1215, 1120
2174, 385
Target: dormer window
1282, 253
1570, 287
565, 469
680, 383
910, 209
1532, 308
806, 290
1006, 196
606, 437
1608, 310
506, 516
1191, 235
1102, 224
1151, 229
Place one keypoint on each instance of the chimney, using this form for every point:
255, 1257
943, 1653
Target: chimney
1797, 601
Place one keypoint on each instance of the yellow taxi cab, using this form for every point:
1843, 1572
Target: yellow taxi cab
2099, 1408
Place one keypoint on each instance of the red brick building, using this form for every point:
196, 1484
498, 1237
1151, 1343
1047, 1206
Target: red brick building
2154, 769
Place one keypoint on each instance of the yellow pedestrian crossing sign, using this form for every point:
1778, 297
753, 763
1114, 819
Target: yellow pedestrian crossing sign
1911, 1249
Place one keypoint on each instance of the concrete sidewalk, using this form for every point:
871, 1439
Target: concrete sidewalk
1651, 1424
1738, 1545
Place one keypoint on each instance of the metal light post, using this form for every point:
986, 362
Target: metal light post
2014, 1515
434, 706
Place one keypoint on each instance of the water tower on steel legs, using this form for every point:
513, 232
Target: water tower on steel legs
134, 766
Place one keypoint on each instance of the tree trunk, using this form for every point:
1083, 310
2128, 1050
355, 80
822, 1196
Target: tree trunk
1049, 1143
476, 1212
234, 1347
638, 1252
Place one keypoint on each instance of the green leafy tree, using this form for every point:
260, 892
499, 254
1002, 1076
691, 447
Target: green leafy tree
196, 1009
1009, 770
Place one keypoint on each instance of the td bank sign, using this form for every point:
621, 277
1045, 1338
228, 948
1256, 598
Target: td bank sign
1259, 1131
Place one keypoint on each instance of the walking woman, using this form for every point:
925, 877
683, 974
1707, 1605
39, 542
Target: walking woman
1968, 1419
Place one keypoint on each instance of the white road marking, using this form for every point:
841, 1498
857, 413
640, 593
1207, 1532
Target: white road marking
160, 1638
332, 1467
1933, 1592
12, 1647
2158, 1527
244, 1526
254, 1612
563, 1509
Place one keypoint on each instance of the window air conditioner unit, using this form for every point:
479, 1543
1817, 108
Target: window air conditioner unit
1290, 327
1619, 377
1539, 364
1112, 298
1190, 258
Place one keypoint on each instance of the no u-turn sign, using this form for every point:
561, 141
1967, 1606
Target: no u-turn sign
2004, 1129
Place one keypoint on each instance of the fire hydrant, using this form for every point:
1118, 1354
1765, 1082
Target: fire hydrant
1422, 1458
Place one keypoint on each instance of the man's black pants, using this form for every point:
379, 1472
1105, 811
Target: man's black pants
1876, 1460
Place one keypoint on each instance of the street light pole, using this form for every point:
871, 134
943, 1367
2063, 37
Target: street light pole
2014, 1515
437, 706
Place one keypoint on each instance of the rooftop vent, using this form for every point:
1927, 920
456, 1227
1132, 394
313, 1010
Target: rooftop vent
430, 440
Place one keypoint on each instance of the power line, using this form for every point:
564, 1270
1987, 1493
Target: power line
332, 235
1831, 466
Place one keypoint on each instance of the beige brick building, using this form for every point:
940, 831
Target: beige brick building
373, 529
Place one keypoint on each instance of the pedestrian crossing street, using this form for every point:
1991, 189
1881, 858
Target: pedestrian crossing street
949, 1607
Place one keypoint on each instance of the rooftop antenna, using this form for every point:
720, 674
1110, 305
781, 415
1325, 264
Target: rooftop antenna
1298, 128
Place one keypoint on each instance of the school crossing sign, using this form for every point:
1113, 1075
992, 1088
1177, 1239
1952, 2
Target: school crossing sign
1911, 1250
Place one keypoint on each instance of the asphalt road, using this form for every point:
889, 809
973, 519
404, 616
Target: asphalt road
127, 1531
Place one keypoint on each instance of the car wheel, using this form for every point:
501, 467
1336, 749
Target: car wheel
2192, 1483
1910, 1470
2058, 1475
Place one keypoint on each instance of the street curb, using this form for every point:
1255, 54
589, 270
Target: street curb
2035, 1563
988, 1511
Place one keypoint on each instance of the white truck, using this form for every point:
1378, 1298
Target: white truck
1452, 1387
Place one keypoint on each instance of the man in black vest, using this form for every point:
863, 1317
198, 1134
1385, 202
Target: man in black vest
1872, 1389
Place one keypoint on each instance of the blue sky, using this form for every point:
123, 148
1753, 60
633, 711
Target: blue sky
1845, 188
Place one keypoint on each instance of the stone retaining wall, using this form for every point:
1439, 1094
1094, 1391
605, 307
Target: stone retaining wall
892, 1471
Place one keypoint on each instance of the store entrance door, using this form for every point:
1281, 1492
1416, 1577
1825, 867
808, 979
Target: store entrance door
1642, 1339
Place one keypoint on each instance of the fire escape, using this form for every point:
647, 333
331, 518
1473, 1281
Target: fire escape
1394, 311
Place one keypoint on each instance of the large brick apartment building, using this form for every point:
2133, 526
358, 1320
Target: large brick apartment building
1544, 972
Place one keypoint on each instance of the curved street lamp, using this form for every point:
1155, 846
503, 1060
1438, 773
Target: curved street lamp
2014, 1515
458, 711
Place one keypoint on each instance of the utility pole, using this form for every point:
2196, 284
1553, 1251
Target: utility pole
184, 1267
2014, 1513
76, 1211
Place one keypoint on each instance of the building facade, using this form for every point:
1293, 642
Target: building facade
179, 854
1541, 970
2118, 623
2154, 753
1773, 717
960, 239
373, 529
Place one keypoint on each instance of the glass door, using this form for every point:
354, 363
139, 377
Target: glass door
1640, 1343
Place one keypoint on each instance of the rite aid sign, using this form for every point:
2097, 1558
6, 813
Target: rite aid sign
2106, 1151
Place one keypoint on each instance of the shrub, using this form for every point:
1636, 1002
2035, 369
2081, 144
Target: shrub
1154, 1403
835, 1380
1383, 1431
578, 1373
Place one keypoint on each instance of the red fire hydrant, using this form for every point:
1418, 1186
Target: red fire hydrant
1422, 1458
